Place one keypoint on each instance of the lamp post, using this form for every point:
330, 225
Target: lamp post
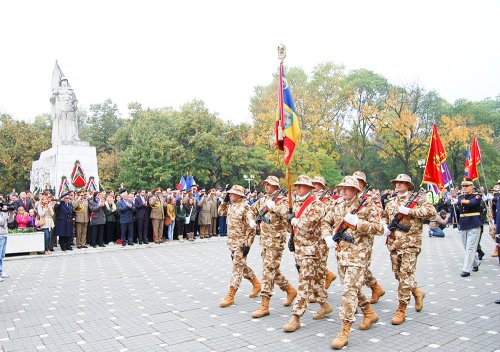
249, 178
421, 165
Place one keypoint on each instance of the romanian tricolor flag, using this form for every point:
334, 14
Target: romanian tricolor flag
287, 127
433, 173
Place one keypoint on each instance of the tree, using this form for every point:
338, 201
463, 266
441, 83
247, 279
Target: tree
20, 144
102, 123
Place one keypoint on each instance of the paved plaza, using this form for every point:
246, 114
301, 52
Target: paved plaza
165, 298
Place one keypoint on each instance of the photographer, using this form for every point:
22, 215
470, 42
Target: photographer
3, 238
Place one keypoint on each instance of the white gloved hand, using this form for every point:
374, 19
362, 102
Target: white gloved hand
294, 222
403, 210
329, 241
270, 204
351, 219
387, 232
252, 224
489, 196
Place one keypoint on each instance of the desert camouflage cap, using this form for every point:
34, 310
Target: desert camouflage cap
238, 190
403, 178
359, 175
349, 181
304, 180
272, 180
320, 180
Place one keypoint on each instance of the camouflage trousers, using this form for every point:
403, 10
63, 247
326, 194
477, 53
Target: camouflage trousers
323, 267
271, 273
309, 283
240, 269
369, 278
352, 278
404, 266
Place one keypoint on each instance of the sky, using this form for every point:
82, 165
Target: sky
166, 53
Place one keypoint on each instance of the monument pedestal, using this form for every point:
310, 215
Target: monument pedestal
59, 161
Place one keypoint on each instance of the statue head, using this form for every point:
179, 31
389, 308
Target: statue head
63, 79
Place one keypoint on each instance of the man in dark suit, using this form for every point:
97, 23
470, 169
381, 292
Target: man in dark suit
142, 217
24, 202
126, 207
64, 222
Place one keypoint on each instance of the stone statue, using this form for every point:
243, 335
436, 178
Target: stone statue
65, 128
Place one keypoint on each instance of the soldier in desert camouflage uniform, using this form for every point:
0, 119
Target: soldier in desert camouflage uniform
319, 192
352, 258
406, 246
370, 280
272, 242
307, 236
241, 233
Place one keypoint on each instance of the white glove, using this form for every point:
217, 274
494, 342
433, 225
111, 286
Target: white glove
403, 210
489, 196
270, 204
294, 222
351, 219
252, 224
387, 232
329, 241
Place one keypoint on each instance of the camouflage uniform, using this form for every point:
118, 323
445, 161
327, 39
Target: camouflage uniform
323, 266
406, 246
272, 242
370, 280
239, 215
353, 258
308, 242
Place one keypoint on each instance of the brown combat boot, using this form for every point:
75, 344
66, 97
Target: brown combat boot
229, 299
399, 316
419, 298
330, 277
323, 311
370, 317
293, 324
342, 338
377, 292
312, 299
256, 288
263, 309
495, 252
291, 293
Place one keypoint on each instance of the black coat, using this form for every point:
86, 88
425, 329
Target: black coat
64, 219
29, 204
141, 209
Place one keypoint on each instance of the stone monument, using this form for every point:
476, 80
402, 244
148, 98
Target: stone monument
70, 162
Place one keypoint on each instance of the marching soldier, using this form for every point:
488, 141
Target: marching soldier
469, 224
306, 223
322, 194
370, 280
272, 241
158, 206
241, 233
405, 246
353, 258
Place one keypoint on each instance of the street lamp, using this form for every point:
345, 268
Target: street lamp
421, 165
249, 178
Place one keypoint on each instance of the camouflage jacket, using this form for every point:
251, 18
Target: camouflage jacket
239, 232
411, 240
274, 233
357, 253
307, 232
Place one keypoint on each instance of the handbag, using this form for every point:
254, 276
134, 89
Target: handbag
167, 221
39, 222
188, 218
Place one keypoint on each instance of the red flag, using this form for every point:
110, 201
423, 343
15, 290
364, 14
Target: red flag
437, 155
475, 158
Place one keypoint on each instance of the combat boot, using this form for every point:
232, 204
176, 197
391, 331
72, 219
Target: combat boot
263, 309
377, 292
370, 317
419, 298
312, 299
229, 299
291, 293
399, 316
256, 287
342, 338
330, 277
323, 311
293, 324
